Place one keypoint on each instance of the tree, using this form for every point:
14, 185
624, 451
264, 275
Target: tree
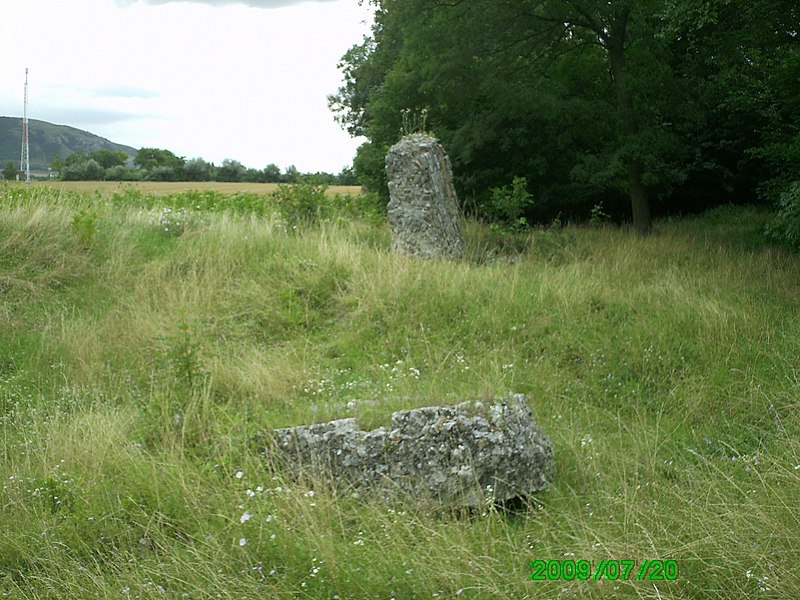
290, 175
272, 173
588, 100
163, 173
122, 173
75, 158
85, 170
109, 158
96, 166
231, 170
197, 169
750, 56
160, 165
496, 79
347, 176
253, 176
472, 47
10, 171
57, 164
369, 168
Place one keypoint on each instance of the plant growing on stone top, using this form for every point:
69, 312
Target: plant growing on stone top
413, 121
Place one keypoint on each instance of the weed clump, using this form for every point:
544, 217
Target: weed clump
84, 226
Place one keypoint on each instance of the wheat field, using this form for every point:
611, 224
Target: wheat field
174, 187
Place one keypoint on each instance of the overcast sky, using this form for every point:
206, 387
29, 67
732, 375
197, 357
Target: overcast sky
217, 79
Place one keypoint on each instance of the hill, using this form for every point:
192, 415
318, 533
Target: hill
47, 140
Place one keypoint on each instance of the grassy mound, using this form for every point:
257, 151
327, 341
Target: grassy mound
145, 340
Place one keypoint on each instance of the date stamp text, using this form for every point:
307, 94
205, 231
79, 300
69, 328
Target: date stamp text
611, 570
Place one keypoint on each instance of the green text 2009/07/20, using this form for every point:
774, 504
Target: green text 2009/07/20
612, 570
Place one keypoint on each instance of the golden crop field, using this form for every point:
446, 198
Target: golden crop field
173, 187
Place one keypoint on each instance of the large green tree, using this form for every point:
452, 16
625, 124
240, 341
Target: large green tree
109, 158
160, 164
744, 62
230, 170
588, 100
197, 169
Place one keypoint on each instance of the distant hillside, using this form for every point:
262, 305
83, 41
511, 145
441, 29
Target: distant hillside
47, 140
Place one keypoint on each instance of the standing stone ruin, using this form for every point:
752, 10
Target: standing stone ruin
423, 206
462, 455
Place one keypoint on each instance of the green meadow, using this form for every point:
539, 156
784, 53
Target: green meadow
145, 341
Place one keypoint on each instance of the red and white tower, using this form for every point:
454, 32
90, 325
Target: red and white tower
25, 152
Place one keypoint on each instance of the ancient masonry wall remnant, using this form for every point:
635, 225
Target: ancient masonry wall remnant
423, 207
462, 455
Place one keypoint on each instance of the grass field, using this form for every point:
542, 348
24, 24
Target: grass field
174, 187
138, 362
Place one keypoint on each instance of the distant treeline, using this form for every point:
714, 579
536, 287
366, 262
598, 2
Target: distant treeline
154, 164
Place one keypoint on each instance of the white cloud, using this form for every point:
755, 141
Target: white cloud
86, 116
123, 91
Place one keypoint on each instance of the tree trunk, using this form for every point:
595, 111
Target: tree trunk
640, 204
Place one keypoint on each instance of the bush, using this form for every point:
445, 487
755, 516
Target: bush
84, 226
87, 170
599, 217
10, 171
122, 173
367, 206
786, 225
508, 204
301, 203
369, 165
162, 173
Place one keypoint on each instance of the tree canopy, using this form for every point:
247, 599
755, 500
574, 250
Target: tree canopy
157, 164
648, 106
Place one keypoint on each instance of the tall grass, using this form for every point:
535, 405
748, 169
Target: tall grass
137, 366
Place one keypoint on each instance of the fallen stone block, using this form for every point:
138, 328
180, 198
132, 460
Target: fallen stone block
463, 455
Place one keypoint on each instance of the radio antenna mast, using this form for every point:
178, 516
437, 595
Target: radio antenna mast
25, 151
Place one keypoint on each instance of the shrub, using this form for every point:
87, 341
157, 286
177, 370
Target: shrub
598, 216
301, 204
366, 206
10, 171
122, 173
508, 204
181, 355
369, 165
786, 225
162, 173
84, 226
